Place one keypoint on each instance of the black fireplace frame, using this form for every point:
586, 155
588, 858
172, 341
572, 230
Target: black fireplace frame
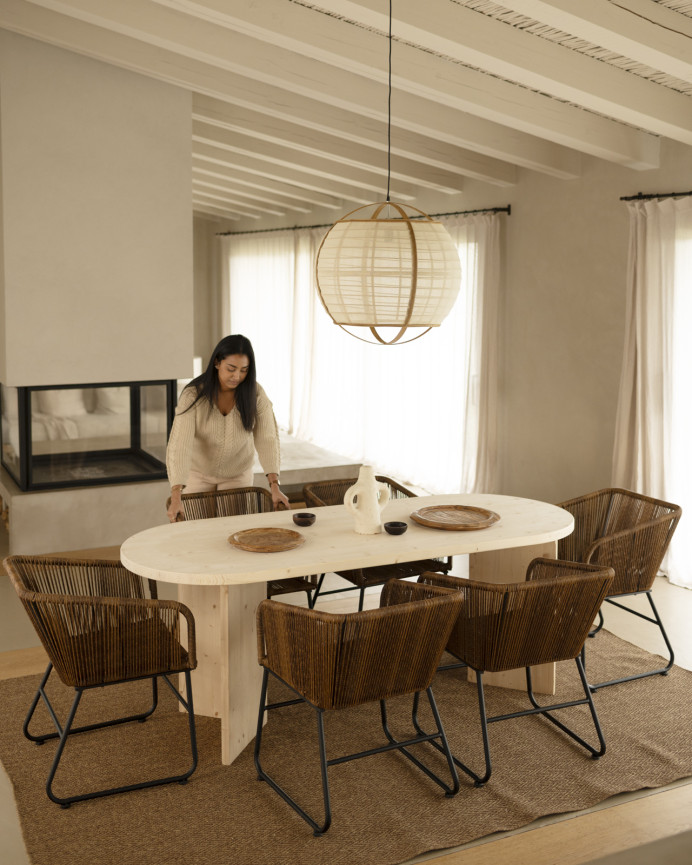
151, 467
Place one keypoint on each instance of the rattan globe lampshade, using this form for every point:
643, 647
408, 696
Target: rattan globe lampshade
387, 265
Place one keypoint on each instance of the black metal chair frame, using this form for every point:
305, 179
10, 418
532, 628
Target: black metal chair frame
393, 744
656, 620
63, 732
480, 780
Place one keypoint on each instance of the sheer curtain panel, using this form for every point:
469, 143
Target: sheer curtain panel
269, 286
654, 418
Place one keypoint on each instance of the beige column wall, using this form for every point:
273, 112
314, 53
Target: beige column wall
97, 233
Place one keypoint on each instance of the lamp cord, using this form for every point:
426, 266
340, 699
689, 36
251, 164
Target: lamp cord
389, 104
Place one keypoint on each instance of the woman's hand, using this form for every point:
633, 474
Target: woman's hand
175, 508
280, 501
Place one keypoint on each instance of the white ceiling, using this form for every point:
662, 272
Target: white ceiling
290, 96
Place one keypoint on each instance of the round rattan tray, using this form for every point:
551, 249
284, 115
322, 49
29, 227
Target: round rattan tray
270, 540
455, 517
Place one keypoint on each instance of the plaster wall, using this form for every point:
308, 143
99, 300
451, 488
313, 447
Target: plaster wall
207, 310
97, 233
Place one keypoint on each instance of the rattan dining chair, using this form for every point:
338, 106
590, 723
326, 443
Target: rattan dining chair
336, 661
630, 533
233, 503
332, 492
512, 625
99, 628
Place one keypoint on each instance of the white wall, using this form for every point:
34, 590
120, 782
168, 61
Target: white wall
97, 235
208, 326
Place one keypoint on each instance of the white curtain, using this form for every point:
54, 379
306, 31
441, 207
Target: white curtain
424, 412
268, 285
652, 452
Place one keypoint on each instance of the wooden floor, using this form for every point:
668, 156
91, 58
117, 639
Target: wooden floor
624, 823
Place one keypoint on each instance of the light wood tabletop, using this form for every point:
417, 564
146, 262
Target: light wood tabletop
199, 553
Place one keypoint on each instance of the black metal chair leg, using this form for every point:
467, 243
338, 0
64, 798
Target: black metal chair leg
656, 620
598, 627
34, 703
41, 695
393, 744
447, 752
318, 829
442, 746
323, 771
545, 711
68, 730
65, 732
479, 780
484, 732
312, 598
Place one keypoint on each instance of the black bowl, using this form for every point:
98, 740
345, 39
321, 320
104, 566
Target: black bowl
395, 528
303, 519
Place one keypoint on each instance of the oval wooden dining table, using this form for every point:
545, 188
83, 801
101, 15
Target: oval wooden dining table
223, 585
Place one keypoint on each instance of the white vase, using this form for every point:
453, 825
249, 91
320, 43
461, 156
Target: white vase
372, 497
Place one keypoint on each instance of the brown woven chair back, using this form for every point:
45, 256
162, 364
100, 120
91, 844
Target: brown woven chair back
511, 625
332, 492
340, 660
57, 576
623, 530
234, 503
227, 503
96, 623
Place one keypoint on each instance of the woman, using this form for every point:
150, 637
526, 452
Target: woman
222, 416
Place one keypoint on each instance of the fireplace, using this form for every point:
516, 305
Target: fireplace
54, 437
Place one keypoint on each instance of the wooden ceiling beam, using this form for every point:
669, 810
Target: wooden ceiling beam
208, 210
644, 31
467, 36
201, 189
248, 163
220, 202
303, 39
241, 176
361, 139
207, 180
176, 53
325, 153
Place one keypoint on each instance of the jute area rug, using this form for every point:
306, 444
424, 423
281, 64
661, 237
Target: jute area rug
385, 810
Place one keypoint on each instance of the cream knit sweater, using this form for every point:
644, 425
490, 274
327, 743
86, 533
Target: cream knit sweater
218, 445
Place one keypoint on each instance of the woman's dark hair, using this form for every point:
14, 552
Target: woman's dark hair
207, 384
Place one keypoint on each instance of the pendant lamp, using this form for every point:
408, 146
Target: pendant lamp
387, 265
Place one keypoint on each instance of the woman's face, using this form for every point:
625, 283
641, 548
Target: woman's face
232, 370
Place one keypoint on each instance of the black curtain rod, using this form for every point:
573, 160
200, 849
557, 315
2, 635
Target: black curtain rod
507, 210
641, 196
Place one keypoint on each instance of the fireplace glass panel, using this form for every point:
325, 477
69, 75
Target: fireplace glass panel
10, 429
87, 434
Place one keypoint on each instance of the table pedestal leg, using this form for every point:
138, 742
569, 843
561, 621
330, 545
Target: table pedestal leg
509, 566
228, 679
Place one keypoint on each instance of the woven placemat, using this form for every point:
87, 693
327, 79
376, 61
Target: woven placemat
385, 811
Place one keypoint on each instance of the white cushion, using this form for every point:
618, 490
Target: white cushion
9, 402
60, 403
113, 400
